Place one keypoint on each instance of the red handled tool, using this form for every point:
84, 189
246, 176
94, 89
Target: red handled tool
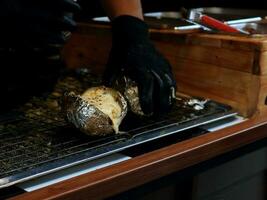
213, 24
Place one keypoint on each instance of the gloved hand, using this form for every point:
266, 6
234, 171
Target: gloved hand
34, 22
134, 56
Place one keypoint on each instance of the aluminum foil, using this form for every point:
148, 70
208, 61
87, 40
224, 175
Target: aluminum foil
132, 96
197, 104
88, 118
129, 90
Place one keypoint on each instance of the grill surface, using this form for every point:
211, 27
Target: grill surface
36, 140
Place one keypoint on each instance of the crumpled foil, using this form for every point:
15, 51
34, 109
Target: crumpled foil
129, 90
197, 104
88, 118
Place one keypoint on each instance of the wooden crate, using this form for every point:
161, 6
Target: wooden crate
225, 68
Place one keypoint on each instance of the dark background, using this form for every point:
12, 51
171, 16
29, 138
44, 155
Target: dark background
92, 8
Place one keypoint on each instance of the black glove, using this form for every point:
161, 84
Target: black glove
134, 56
35, 23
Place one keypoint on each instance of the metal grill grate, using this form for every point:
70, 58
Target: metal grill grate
35, 139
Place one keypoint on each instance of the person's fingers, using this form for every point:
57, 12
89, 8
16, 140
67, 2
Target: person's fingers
109, 79
168, 78
111, 75
164, 92
113, 69
64, 23
160, 94
171, 88
146, 89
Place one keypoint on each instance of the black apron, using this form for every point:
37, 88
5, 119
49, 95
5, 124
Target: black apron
25, 73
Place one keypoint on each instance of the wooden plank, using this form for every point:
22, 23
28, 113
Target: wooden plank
87, 50
206, 39
235, 88
229, 41
242, 60
214, 49
262, 100
210, 71
121, 177
262, 62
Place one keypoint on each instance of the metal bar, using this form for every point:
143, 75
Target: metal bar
40, 144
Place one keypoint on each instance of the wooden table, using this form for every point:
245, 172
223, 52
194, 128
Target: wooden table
142, 169
150, 166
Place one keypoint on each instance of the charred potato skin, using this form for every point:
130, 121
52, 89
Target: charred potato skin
88, 118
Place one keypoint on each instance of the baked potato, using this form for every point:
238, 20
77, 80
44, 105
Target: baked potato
99, 111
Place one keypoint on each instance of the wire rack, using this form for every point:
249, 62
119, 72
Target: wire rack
36, 140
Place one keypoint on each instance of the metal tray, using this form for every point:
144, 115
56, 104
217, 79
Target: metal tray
35, 139
240, 18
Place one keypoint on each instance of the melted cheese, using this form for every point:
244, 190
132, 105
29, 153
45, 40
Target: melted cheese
103, 99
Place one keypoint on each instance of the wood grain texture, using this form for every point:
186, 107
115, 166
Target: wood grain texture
262, 62
235, 88
220, 67
237, 42
241, 60
262, 99
226, 68
88, 48
143, 169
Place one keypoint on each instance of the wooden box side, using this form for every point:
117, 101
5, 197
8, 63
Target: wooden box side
222, 50
261, 113
213, 68
235, 88
88, 47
